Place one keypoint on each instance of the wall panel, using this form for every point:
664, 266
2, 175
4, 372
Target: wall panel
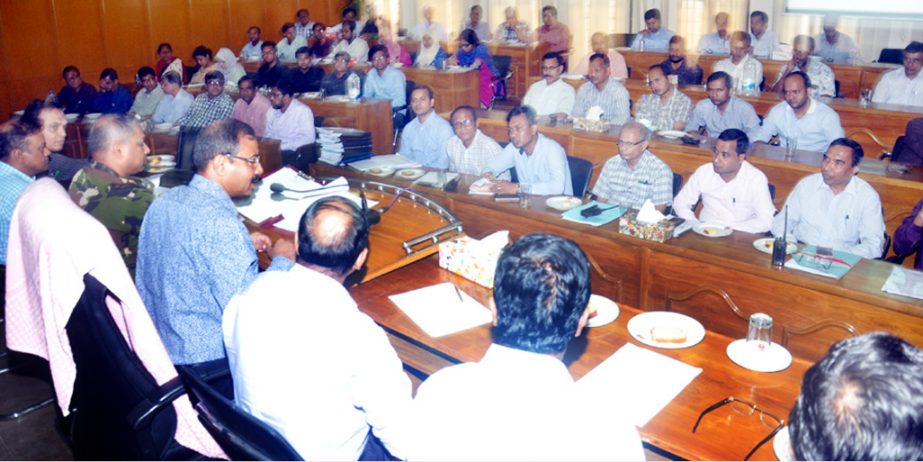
24, 42
243, 14
169, 22
124, 28
80, 37
209, 22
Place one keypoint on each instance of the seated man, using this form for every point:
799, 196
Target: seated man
551, 95
676, 64
721, 110
292, 122
251, 108
112, 97
476, 24
253, 49
270, 72
175, 102
834, 46
519, 402
665, 108
746, 71
862, 401
343, 387
540, 162
903, 85
149, 95
334, 83
553, 33
835, 208
214, 104
908, 238
821, 75
50, 117
289, 43
351, 43
470, 150
194, 253
107, 188
599, 43
305, 77
604, 91
654, 38
76, 95
912, 152
424, 138
303, 23
512, 30
635, 175
763, 40
811, 123
734, 193
384, 81
23, 155
718, 42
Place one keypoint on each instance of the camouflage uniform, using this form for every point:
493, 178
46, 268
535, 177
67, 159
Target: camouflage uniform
119, 203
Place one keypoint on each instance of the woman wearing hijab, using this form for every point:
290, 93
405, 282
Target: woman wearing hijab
431, 54
228, 65
473, 53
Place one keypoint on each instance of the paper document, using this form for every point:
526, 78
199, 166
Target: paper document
607, 214
903, 281
481, 187
832, 266
438, 311
637, 383
395, 161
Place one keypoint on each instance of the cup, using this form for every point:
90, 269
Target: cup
525, 192
759, 334
791, 144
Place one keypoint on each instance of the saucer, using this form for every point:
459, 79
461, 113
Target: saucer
773, 359
606, 311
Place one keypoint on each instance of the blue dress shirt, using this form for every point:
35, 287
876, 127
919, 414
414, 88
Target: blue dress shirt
657, 41
113, 102
545, 170
814, 131
194, 254
426, 142
12, 183
738, 114
390, 85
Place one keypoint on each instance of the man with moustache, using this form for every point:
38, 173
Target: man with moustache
149, 95
676, 64
721, 110
305, 77
665, 108
551, 95
23, 155
470, 150
903, 85
50, 117
291, 122
718, 42
252, 106
604, 91
801, 117
736, 64
822, 78
253, 49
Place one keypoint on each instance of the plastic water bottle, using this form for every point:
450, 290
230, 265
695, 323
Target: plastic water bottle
353, 85
748, 81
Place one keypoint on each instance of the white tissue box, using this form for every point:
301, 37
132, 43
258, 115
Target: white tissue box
658, 232
464, 257
598, 126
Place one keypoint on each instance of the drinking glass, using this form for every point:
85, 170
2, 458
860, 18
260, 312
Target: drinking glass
525, 191
791, 144
759, 334
865, 96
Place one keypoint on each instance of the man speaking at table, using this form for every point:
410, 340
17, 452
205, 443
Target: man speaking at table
520, 402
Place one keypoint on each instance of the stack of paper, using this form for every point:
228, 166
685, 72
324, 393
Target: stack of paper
903, 281
393, 161
439, 311
343, 145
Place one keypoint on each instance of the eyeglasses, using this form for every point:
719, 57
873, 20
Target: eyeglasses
250, 160
628, 144
746, 408
214, 83
550, 68
380, 58
463, 123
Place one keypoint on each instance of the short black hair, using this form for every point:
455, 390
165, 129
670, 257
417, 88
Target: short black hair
164, 45
285, 87
202, 50
349, 23
552, 9
287, 26
258, 30
720, 75
652, 13
677, 39
541, 289
214, 75
764, 18
555, 56
733, 134
13, 136
914, 47
464, 107
602, 56
525, 110
145, 71
268, 43
348, 10
337, 251
469, 36
376, 49
862, 401
219, 138
426, 88
857, 152
70, 68
741, 36
303, 51
804, 77
247, 78
34, 109
109, 73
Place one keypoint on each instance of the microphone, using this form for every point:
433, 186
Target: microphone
372, 217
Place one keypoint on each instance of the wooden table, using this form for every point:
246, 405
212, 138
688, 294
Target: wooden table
723, 435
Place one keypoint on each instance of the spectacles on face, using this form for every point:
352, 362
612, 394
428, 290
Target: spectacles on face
250, 160
550, 68
463, 123
748, 409
216, 83
380, 58
628, 144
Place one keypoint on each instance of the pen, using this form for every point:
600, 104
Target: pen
458, 292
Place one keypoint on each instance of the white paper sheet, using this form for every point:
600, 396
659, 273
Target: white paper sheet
637, 383
438, 311
903, 281
395, 161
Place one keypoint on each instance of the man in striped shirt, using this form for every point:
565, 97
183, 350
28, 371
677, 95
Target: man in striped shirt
603, 91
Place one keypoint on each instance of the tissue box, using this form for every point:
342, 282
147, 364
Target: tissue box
598, 126
658, 232
465, 257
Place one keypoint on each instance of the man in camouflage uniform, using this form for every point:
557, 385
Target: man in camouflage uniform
106, 189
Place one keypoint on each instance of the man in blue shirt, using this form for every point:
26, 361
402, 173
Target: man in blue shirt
721, 110
384, 81
424, 138
22, 156
654, 38
194, 254
112, 97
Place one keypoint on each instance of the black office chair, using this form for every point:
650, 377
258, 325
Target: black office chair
677, 186
501, 80
891, 55
402, 115
836, 88
772, 192
240, 435
580, 172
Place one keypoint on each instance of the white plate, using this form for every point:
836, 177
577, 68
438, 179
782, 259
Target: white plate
640, 328
709, 230
574, 76
162, 128
765, 245
160, 168
71, 116
672, 134
92, 115
606, 311
563, 203
782, 446
380, 171
19, 113
773, 359
160, 158
410, 173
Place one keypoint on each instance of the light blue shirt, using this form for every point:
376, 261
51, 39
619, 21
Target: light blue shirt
252, 51
390, 85
657, 41
194, 254
713, 44
545, 170
171, 109
850, 221
738, 114
12, 183
814, 131
425, 142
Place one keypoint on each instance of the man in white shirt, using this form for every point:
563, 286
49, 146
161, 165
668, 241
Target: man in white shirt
424, 138
304, 27
289, 43
835, 208
476, 24
834, 46
349, 14
763, 40
470, 150
292, 122
149, 95
175, 102
801, 118
349, 42
253, 49
519, 402
822, 78
736, 64
903, 85
718, 42
734, 193
551, 95
436, 30
306, 361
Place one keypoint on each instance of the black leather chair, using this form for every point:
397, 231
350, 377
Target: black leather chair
501, 80
891, 55
240, 435
677, 185
580, 172
402, 115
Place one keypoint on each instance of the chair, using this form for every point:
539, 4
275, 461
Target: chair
501, 80
791, 333
677, 186
836, 88
402, 115
184, 147
891, 55
240, 435
772, 192
580, 172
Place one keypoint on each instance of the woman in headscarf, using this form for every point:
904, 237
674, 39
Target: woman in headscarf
473, 53
431, 54
228, 65
396, 52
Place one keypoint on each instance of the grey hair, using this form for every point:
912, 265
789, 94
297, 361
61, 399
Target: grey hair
641, 128
221, 137
108, 130
172, 77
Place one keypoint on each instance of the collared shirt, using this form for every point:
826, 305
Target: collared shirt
482, 30
294, 127
822, 79
742, 203
391, 84
253, 114
146, 102
515, 405
713, 44
550, 99
333, 85
12, 183
343, 375
895, 88
814, 131
557, 36
736, 71
78, 101
546, 169
908, 237
285, 50
686, 74
304, 30
737, 114
251, 51
617, 66
656, 41
268, 76
358, 50
306, 81
113, 102
764, 46
651, 179
844, 51
170, 109
426, 142
850, 221
473, 160
507, 34
119, 203
435, 29
613, 99
206, 110
194, 254
663, 116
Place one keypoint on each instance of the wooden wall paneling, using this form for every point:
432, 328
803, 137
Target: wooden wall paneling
280, 12
29, 57
208, 20
125, 31
169, 22
81, 38
242, 15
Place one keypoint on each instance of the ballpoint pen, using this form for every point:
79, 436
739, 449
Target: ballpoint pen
458, 292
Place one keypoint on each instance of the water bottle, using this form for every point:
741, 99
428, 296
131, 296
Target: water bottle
748, 78
353, 86
641, 44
